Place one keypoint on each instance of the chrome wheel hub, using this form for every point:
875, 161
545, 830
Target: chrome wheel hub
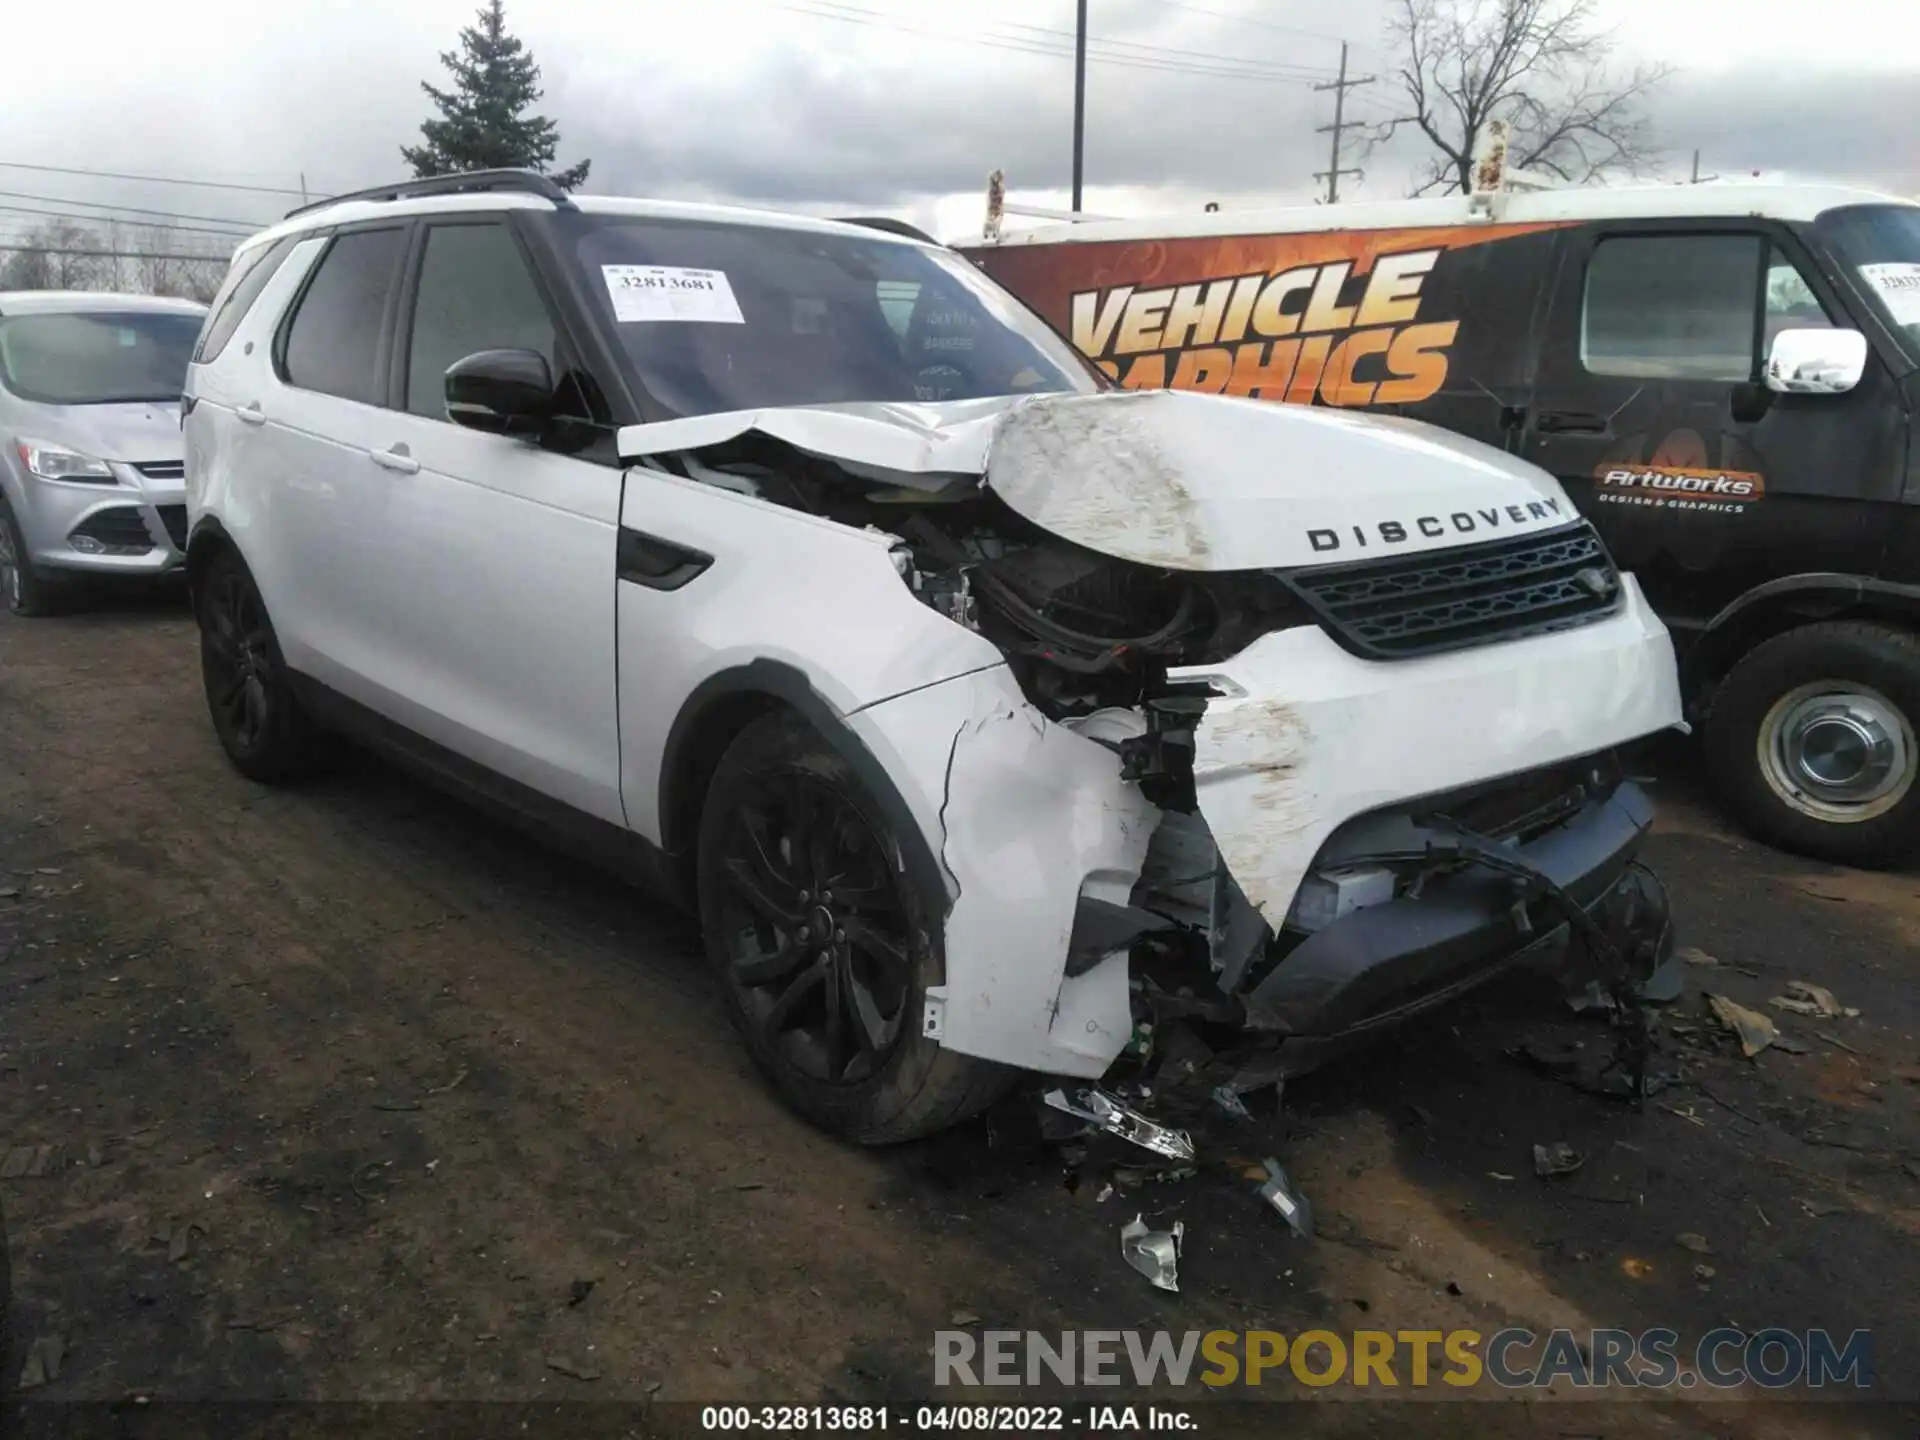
1838, 751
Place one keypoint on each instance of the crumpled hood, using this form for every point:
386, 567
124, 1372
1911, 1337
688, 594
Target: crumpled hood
139, 433
1172, 478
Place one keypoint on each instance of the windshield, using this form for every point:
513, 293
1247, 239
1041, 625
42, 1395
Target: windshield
1880, 245
737, 317
97, 357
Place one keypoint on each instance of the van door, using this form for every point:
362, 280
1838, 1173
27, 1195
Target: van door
1648, 408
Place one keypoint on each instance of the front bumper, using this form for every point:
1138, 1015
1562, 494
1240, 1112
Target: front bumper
1382, 964
135, 526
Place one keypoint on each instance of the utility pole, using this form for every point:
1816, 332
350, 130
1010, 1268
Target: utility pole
303, 187
1339, 87
1697, 176
1079, 103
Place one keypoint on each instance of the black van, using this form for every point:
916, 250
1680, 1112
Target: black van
1724, 377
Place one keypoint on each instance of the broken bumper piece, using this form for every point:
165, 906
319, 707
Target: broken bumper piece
1382, 964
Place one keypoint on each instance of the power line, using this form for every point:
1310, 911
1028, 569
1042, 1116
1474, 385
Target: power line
243, 227
1022, 45
1295, 71
118, 254
94, 221
1333, 172
1250, 20
148, 179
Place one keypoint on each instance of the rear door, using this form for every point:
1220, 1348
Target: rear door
1648, 407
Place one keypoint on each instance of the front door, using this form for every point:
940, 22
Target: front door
1648, 409
483, 584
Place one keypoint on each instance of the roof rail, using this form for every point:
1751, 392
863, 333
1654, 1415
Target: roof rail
888, 224
527, 182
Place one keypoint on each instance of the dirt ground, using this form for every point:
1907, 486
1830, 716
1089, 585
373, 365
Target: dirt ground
354, 1095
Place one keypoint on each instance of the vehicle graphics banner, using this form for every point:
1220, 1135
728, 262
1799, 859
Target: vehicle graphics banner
1351, 318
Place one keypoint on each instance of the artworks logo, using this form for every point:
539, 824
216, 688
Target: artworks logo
1680, 483
1301, 333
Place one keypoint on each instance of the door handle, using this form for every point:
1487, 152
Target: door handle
1571, 422
252, 414
396, 459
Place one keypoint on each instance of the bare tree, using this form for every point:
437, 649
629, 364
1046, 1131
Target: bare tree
1542, 66
166, 263
58, 255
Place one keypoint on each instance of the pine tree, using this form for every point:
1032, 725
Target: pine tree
481, 124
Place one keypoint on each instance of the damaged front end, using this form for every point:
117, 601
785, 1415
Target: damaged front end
1218, 778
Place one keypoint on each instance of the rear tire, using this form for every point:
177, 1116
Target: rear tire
824, 944
250, 697
27, 591
1811, 742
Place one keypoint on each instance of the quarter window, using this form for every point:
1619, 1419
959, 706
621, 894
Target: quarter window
333, 344
244, 282
475, 293
1673, 307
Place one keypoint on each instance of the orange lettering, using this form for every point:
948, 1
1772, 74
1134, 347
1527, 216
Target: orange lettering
1418, 360
1148, 372
1194, 316
1306, 375
1246, 290
1203, 370
1263, 370
1393, 289
1112, 367
1268, 318
1145, 317
1324, 310
1338, 387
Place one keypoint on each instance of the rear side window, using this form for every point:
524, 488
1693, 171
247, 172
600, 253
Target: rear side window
1673, 307
333, 344
244, 282
475, 293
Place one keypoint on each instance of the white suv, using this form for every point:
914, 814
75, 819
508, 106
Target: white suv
985, 712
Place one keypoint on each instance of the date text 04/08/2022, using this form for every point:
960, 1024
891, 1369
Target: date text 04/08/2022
978, 1419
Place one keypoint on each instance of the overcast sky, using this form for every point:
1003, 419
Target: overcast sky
899, 106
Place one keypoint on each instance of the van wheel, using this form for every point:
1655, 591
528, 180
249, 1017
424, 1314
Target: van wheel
823, 943
250, 698
1811, 741
26, 590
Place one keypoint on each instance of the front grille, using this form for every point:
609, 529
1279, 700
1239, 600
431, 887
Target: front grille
1406, 605
163, 469
174, 517
122, 529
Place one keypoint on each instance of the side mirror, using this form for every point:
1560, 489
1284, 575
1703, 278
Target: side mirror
504, 392
1816, 362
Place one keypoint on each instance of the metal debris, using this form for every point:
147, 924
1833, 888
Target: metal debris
1755, 1030
1559, 1158
1227, 1100
1154, 1253
1688, 1240
1803, 998
1292, 1206
569, 1368
44, 1361
1694, 955
1094, 1105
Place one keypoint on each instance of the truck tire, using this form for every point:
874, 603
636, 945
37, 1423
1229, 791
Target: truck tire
1811, 742
824, 945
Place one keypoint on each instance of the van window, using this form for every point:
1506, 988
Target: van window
475, 293
1791, 303
245, 280
333, 344
1880, 246
1673, 307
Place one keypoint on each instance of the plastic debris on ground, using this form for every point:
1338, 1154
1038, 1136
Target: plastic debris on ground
1154, 1253
1803, 998
1755, 1030
1559, 1158
1097, 1108
1292, 1206
1591, 1069
1227, 1100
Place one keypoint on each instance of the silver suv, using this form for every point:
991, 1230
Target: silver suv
90, 450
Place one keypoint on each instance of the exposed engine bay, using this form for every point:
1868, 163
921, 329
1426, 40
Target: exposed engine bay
1301, 839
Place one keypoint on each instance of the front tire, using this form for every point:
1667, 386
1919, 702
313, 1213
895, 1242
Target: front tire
1811, 742
823, 943
250, 696
27, 591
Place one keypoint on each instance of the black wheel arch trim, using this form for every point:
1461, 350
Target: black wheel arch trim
1816, 595
787, 684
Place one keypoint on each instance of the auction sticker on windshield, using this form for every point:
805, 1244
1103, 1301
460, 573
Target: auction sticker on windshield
1899, 286
644, 293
